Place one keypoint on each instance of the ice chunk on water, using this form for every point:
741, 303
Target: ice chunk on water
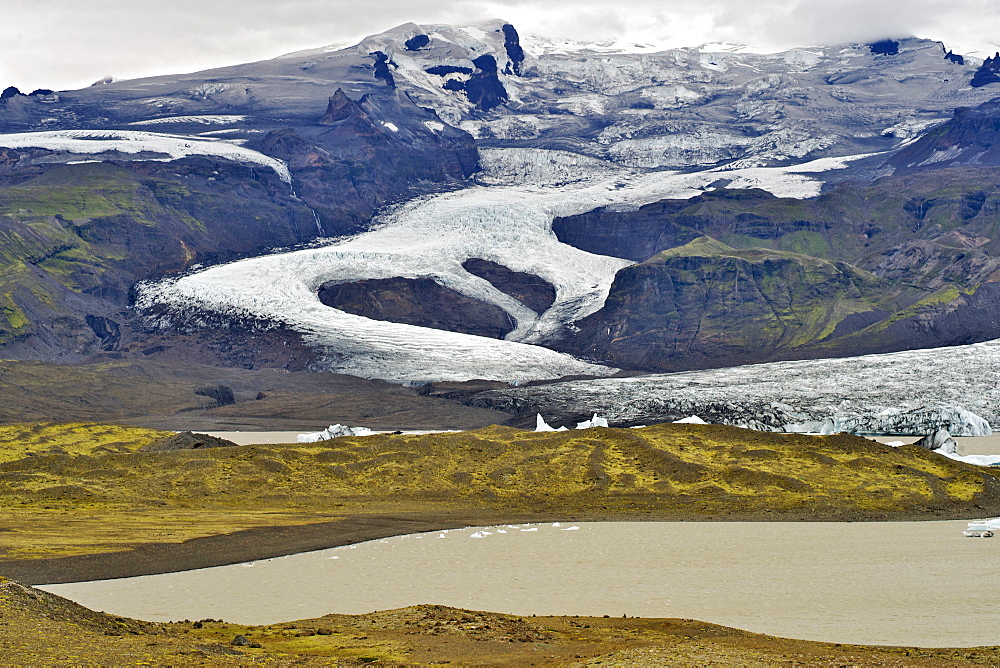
692, 419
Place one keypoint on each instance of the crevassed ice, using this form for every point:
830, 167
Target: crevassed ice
431, 237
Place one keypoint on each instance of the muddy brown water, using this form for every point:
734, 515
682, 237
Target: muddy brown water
895, 583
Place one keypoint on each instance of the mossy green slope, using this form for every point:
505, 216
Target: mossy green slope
666, 471
44, 629
706, 301
28, 439
75, 238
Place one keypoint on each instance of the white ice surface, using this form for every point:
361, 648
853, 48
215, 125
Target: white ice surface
94, 142
430, 237
978, 460
212, 119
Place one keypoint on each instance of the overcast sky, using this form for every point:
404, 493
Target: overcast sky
63, 44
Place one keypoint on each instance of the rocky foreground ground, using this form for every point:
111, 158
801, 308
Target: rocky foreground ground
43, 629
91, 501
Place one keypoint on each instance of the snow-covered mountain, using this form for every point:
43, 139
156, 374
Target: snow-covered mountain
428, 146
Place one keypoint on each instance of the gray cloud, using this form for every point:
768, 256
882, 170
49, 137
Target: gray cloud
68, 43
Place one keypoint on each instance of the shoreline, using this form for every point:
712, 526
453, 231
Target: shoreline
278, 541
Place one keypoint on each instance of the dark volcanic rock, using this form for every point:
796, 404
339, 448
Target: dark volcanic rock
533, 291
186, 440
955, 58
10, 91
971, 137
353, 163
382, 63
106, 329
443, 70
420, 301
484, 88
885, 47
221, 394
417, 42
988, 72
706, 304
340, 108
512, 43
635, 235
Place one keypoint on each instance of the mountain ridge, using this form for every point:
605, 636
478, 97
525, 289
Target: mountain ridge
368, 135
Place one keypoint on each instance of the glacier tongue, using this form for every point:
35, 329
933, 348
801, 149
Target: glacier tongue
431, 237
887, 394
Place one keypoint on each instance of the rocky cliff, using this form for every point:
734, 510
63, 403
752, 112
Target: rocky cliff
707, 304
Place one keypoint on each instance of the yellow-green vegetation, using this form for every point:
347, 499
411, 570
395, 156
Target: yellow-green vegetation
790, 300
18, 441
44, 629
664, 471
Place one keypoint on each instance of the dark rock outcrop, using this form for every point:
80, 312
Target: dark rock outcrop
382, 72
885, 47
484, 88
706, 304
420, 301
971, 137
954, 57
534, 292
106, 329
988, 72
186, 440
417, 42
444, 70
353, 162
222, 395
10, 91
340, 108
512, 44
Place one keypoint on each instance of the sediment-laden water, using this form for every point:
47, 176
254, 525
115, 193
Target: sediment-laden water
906, 583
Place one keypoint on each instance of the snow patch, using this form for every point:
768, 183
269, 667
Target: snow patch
94, 142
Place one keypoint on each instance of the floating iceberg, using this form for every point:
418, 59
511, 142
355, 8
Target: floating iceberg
596, 421
693, 419
333, 431
592, 422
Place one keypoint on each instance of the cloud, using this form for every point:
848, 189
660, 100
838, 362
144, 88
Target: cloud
68, 44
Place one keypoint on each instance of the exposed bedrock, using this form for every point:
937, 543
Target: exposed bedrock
971, 137
706, 304
484, 88
512, 44
364, 154
420, 301
76, 238
533, 291
925, 242
988, 72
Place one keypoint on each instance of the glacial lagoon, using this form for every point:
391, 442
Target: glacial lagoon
896, 583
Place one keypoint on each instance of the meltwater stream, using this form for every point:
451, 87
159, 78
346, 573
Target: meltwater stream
896, 583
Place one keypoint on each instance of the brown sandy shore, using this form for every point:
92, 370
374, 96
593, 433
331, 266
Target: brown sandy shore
276, 541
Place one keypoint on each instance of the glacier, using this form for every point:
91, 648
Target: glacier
430, 237
915, 392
